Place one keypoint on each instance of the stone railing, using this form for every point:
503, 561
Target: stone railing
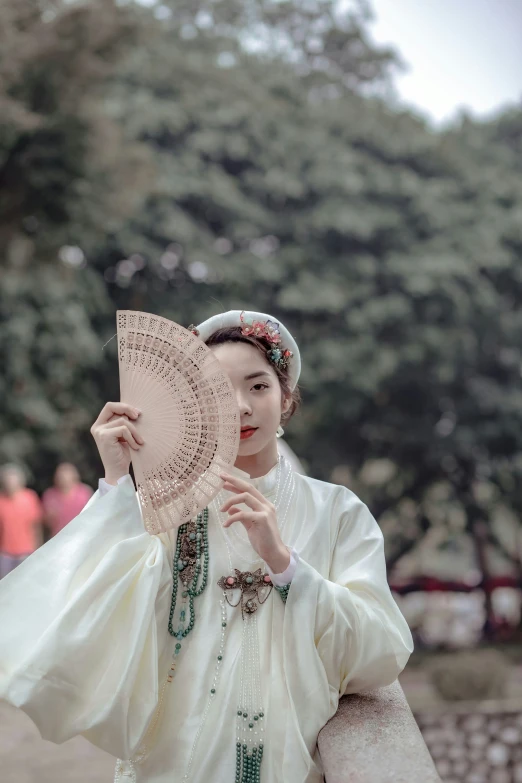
374, 738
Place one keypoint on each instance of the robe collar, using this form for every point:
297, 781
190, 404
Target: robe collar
266, 484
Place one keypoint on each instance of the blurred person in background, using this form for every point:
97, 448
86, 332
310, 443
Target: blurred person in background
20, 519
65, 499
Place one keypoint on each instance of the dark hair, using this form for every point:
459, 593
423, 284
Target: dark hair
233, 334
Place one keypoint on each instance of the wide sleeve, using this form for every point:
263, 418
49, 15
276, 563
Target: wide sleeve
83, 627
345, 633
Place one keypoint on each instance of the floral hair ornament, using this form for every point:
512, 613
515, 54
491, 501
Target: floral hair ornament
270, 331
284, 352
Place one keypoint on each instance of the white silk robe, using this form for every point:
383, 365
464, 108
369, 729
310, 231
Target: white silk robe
84, 645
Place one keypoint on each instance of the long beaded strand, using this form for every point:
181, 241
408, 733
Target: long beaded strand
215, 683
250, 714
200, 537
188, 572
192, 591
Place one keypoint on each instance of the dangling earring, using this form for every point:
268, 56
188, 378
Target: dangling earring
280, 432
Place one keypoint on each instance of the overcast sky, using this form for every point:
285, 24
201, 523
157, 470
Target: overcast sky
460, 52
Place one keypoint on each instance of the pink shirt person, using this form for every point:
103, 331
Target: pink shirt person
64, 501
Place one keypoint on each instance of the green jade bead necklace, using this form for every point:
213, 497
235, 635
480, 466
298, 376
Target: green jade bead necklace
188, 565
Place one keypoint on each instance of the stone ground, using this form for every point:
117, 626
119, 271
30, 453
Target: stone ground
26, 758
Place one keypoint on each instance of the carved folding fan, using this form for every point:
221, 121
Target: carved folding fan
189, 421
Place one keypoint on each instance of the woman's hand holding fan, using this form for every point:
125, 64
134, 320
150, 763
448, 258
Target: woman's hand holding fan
116, 437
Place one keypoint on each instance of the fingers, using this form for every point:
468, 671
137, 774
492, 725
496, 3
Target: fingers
121, 432
233, 484
244, 497
243, 486
119, 408
118, 421
244, 516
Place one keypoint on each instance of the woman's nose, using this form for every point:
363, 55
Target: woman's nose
243, 405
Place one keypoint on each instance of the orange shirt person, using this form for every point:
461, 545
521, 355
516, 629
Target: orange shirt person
20, 519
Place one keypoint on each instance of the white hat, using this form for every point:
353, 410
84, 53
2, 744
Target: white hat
247, 317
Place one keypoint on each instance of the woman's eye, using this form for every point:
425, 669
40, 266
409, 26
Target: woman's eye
260, 386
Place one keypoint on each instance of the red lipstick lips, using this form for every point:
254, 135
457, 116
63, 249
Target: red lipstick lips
247, 432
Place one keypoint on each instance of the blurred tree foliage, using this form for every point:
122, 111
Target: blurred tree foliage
253, 158
67, 177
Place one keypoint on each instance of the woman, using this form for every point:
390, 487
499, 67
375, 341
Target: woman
223, 671
66, 498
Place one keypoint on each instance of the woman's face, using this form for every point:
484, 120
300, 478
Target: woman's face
12, 481
66, 476
258, 394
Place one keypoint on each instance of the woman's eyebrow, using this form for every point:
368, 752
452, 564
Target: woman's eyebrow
256, 375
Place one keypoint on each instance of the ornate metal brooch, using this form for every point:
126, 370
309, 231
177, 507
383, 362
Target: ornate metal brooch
248, 588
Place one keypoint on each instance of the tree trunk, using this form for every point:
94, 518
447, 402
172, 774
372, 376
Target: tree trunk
479, 533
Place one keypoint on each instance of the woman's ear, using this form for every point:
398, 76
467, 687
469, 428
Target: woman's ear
287, 404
